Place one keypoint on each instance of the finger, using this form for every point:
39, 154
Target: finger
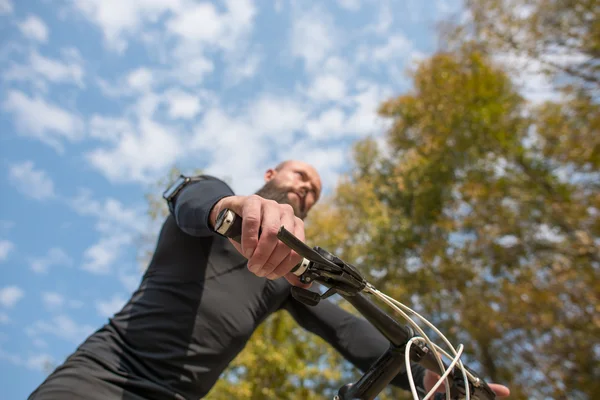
270, 221
251, 221
295, 281
500, 390
291, 258
278, 261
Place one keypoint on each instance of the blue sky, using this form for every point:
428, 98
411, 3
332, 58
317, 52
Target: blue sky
101, 97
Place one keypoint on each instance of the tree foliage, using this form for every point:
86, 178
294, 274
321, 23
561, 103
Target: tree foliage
563, 36
472, 213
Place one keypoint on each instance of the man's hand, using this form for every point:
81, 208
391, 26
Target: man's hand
431, 379
267, 256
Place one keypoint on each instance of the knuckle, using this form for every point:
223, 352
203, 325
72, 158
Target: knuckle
287, 208
254, 197
271, 230
251, 218
295, 258
251, 200
267, 202
269, 266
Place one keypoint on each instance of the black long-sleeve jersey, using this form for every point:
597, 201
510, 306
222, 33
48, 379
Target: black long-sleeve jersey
196, 307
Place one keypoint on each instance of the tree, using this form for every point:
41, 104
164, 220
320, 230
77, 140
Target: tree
482, 231
563, 36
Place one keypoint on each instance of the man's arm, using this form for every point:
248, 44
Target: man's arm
193, 204
354, 338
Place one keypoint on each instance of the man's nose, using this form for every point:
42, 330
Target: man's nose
304, 189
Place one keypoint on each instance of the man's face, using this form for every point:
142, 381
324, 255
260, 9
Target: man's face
295, 183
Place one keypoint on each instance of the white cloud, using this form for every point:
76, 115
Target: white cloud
221, 134
241, 68
129, 281
313, 37
329, 124
109, 129
361, 118
117, 225
14, 359
396, 47
6, 246
203, 23
384, 20
352, 5
327, 87
6, 7
53, 300
41, 69
364, 120
39, 362
276, 118
140, 79
138, 155
252, 134
529, 77
54, 257
112, 215
120, 19
10, 295
51, 124
110, 307
63, 327
182, 104
31, 182
98, 258
34, 28
191, 71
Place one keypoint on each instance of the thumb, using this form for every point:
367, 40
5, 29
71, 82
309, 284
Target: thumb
234, 203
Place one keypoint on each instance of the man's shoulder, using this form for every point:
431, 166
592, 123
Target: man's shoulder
207, 177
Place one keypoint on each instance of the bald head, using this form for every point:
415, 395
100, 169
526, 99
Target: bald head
293, 182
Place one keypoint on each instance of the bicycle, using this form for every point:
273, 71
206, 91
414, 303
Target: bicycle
407, 343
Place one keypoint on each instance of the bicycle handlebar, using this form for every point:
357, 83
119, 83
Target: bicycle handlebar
344, 279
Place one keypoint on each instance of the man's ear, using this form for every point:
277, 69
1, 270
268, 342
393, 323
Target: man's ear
270, 174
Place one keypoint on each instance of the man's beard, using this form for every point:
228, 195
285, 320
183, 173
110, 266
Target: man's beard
272, 192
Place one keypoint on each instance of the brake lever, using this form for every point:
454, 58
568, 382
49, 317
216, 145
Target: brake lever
318, 264
324, 266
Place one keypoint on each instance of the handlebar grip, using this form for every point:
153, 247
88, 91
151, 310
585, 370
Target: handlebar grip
229, 224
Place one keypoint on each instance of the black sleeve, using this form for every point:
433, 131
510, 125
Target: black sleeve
354, 338
192, 206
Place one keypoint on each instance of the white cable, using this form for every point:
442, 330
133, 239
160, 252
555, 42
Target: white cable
386, 299
461, 366
411, 381
445, 375
435, 348
471, 377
